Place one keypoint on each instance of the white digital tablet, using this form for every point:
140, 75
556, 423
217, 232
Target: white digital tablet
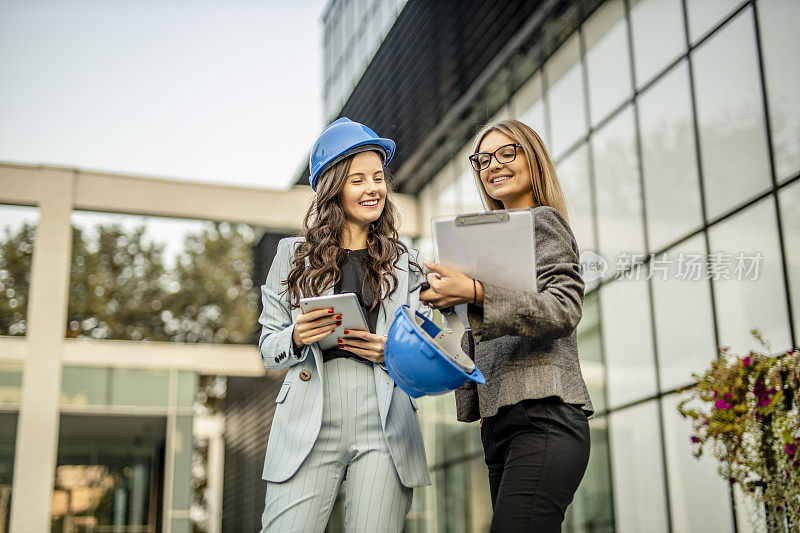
345, 304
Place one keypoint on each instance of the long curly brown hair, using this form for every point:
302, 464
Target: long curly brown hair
316, 260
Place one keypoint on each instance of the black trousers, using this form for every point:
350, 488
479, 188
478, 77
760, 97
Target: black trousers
537, 452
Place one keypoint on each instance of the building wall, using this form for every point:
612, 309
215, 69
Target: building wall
674, 129
352, 32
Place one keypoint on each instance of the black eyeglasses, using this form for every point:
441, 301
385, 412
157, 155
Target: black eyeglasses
505, 154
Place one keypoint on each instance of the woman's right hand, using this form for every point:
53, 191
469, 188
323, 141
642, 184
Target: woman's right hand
313, 326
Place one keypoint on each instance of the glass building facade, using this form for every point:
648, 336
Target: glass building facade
674, 126
353, 30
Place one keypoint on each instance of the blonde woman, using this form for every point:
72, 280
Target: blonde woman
534, 405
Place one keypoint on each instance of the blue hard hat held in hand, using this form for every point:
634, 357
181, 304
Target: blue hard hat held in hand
344, 137
423, 359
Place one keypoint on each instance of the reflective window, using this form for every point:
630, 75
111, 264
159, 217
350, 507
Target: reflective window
789, 198
730, 116
151, 278
109, 473
703, 15
637, 471
8, 444
573, 175
17, 235
592, 510
127, 385
627, 341
565, 97
607, 59
684, 320
465, 178
744, 303
84, 385
527, 105
669, 160
10, 384
780, 42
699, 497
590, 352
658, 36
447, 195
617, 185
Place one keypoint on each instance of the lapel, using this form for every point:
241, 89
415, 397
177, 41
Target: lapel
399, 297
384, 386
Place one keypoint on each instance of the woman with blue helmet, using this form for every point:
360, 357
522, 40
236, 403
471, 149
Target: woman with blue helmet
338, 413
534, 405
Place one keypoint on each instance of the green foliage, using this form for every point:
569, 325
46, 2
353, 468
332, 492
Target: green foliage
120, 287
747, 410
16, 252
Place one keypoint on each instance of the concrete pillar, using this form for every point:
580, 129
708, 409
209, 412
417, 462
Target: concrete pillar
37, 429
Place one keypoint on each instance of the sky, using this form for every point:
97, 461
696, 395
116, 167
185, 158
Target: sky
216, 91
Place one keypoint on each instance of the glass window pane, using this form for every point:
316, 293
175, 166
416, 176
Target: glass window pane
17, 234
10, 384
619, 198
658, 36
8, 444
744, 303
182, 446
780, 42
789, 198
128, 384
470, 201
592, 509
669, 160
684, 321
565, 97
84, 385
637, 471
733, 141
154, 278
607, 59
627, 341
573, 175
590, 350
705, 14
448, 194
699, 497
527, 105
187, 388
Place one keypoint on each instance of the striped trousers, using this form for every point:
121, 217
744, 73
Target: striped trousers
351, 448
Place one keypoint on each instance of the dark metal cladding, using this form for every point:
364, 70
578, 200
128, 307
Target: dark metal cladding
433, 54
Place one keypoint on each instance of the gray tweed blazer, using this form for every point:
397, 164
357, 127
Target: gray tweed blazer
526, 343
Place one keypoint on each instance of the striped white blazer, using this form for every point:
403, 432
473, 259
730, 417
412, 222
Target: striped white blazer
298, 415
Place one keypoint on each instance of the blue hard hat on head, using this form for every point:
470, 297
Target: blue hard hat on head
342, 138
423, 359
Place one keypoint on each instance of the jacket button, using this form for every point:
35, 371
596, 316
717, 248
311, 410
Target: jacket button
305, 375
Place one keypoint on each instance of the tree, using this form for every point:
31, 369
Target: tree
16, 253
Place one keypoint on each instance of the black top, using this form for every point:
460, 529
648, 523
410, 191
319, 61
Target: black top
352, 280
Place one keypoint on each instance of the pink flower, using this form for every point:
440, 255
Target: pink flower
791, 448
695, 440
746, 361
715, 395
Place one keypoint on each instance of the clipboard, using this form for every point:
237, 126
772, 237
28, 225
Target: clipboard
496, 247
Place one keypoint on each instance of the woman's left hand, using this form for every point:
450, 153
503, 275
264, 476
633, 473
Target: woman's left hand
450, 287
364, 344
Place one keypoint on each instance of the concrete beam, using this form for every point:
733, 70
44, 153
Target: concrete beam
118, 193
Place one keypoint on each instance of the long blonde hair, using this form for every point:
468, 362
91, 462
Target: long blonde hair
546, 188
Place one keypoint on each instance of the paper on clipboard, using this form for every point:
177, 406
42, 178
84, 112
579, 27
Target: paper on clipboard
495, 247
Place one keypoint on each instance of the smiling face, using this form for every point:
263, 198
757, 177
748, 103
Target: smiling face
508, 183
364, 191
